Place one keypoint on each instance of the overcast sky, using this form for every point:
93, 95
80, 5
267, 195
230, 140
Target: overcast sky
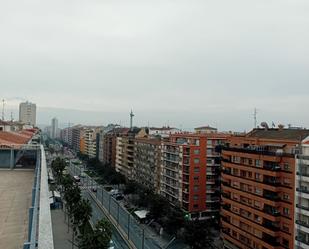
179, 62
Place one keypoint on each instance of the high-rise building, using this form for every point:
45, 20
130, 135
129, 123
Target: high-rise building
258, 189
125, 153
147, 162
54, 128
107, 146
190, 173
27, 113
302, 197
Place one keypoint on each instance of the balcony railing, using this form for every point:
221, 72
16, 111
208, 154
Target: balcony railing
272, 167
271, 211
302, 240
302, 223
302, 207
271, 197
302, 190
257, 151
303, 174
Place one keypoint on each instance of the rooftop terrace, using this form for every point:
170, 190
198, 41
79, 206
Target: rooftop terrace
15, 200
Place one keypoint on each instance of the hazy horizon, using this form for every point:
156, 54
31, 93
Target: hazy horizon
183, 63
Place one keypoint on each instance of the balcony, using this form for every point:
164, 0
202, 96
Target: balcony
302, 190
272, 181
273, 241
271, 196
302, 207
271, 210
270, 225
272, 167
252, 150
302, 240
302, 223
303, 174
227, 184
226, 207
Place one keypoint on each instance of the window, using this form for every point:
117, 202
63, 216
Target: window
250, 174
286, 211
196, 188
257, 176
209, 151
209, 161
209, 142
286, 167
257, 204
286, 197
286, 181
285, 243
196, 152
257, 163
195, 197
196, 160
195, 206
196, 170
258, 191
285, 227
195, 178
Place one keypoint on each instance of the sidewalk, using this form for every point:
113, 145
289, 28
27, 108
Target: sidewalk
60, 230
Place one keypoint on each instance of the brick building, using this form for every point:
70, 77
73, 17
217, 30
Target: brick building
190, 173
258, 189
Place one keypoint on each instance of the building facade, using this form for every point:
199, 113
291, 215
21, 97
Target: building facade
302, 198
190, 173
125, 153
27, 113
147, 162
258, 189
54, 128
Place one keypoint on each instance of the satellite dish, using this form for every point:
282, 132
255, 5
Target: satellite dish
265, 125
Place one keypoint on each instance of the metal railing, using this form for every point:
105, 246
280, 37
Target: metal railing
136, 236
40, 225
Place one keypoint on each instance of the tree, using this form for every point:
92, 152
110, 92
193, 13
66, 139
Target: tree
197, 234
99, 239
58, 165
158, 208
81, 214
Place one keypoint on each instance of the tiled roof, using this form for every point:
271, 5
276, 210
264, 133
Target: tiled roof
206, 127
279, 134
7, 138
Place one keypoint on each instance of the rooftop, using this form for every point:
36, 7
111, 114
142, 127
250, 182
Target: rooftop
8, 137
206, 128
15, 200
279, 134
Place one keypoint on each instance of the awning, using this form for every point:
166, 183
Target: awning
141, 214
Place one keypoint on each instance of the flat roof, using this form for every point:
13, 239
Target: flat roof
15, 200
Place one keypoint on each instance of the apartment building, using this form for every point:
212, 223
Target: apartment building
258, 189
88, 141
125, 152
190, 173
107, 144
27, 113
302, 198
76, 135
147, 162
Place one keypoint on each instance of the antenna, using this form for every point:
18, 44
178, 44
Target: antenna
131, 120
255, 117
3, 102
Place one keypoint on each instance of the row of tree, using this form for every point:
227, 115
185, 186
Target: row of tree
196, 233
79, 212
